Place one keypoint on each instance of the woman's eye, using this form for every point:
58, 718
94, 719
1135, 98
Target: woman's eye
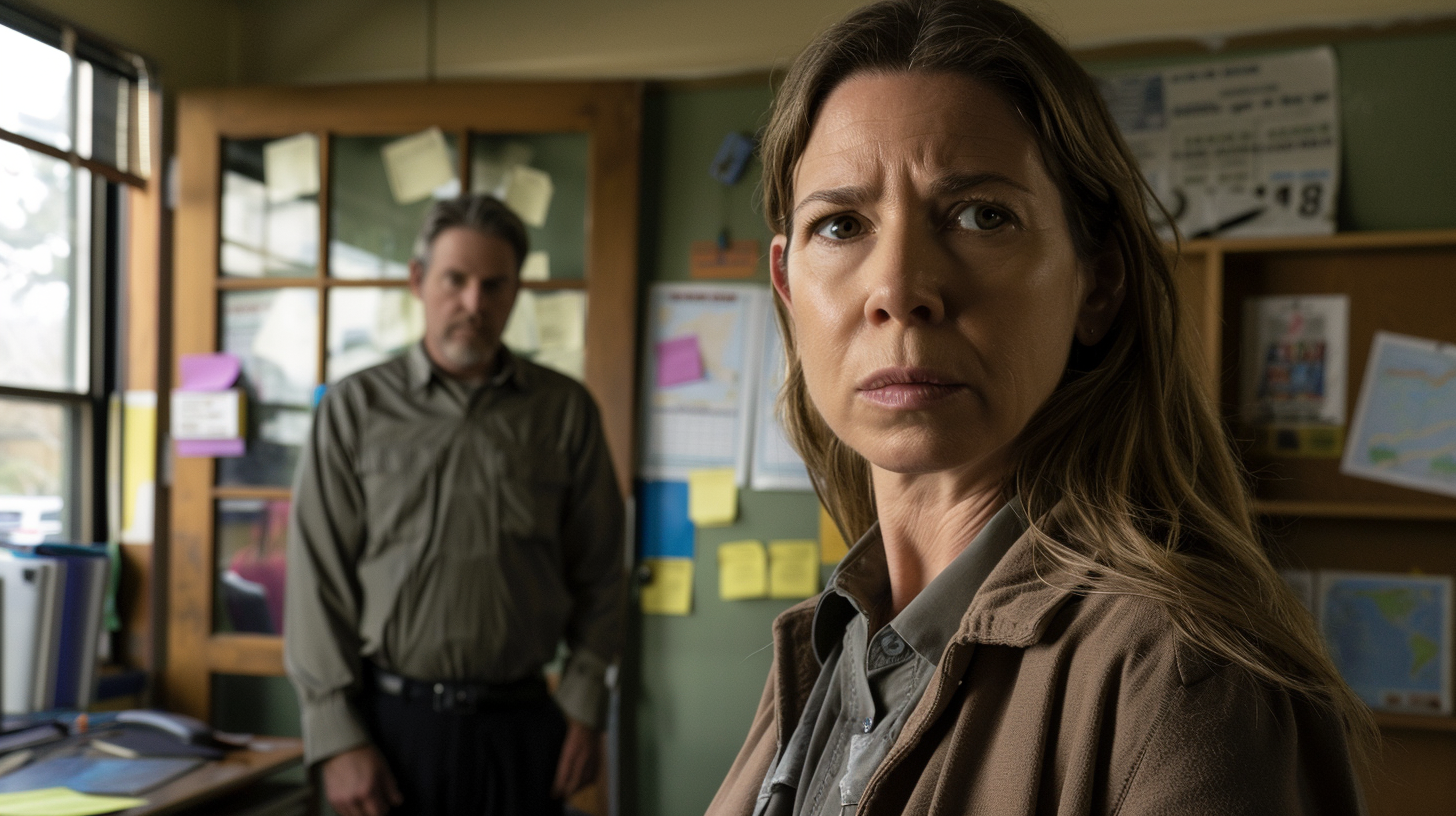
982, 217
841, 228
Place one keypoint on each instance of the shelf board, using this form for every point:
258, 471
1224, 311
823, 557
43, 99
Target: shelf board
251, 492
1415, 722
1345, 241
1343, 509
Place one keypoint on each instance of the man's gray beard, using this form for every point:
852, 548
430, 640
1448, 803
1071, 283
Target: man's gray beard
464, 355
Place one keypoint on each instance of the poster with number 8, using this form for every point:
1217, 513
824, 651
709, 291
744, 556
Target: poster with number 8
1240, 147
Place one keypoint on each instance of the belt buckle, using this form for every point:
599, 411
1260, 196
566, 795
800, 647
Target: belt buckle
447, 700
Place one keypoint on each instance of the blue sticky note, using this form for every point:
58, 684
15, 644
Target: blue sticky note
664, 530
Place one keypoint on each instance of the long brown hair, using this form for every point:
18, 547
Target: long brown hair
1151, 499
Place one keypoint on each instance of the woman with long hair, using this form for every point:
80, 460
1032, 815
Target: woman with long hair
1057, 602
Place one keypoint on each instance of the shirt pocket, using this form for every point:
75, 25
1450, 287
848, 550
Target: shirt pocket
400, 486
533, 493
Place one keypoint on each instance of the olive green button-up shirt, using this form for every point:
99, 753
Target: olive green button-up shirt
445, 532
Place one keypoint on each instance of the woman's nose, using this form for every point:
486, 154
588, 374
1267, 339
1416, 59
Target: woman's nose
904, 278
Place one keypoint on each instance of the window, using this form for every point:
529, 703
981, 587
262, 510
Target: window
70, 138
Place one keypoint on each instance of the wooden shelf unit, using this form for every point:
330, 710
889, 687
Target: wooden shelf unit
1315, 517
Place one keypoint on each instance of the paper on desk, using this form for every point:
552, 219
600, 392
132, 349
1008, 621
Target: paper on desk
713, 497
793, 568
832, 548
742, 570
670, 591
537, 266
522, 332
561, 320
679, 361
528, 193
291, 167
209, 372
62, 802
417, 164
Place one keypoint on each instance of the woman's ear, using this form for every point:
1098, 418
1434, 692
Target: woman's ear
1103, 300
778, 266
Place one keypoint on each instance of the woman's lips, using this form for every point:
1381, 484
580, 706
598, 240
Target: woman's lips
907, 388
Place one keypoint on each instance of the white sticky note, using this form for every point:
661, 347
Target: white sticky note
537, 266
528, 193
561, 317
417, 165
487, 176
291, 167
522, 332
207, 415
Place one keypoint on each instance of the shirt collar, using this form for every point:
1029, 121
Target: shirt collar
934, 616
422, 369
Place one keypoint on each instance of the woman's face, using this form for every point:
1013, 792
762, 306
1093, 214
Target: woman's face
930, 273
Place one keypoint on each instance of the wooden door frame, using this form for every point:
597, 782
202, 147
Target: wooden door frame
609, 112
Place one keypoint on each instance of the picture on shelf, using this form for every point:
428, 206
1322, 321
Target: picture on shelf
1404, 432
1295, 355
1390, 637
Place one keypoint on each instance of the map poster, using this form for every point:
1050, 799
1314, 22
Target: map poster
1293, 359
776, 465
1404, 431
1236, 147
700, 416
1390, 637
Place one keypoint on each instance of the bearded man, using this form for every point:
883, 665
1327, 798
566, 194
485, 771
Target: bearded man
455, 519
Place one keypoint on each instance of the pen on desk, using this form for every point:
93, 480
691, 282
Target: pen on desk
1229, 223
14, 760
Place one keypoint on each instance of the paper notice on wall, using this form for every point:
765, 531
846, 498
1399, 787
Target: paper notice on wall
528, 193
1237, 147
712, 497
669, 590
705, 423
418, 164
291, 167
776, 465
793, 568
742, 570
138, 466
561, 319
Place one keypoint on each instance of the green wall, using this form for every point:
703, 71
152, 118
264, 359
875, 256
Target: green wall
693, 682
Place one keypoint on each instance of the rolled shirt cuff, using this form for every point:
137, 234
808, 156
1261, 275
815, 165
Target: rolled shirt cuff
330, 727
582, 693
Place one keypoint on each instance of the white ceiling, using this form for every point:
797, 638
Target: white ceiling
199, 42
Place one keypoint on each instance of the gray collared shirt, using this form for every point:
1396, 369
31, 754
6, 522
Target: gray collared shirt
868, 686
450, 532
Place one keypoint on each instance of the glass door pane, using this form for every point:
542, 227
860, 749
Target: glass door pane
516, 169
35, 472
275, 333
378, 203
270, 211
368, 325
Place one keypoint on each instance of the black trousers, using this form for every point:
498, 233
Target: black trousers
497, 761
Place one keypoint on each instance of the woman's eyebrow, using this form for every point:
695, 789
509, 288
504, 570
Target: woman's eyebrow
846, 196
952, 183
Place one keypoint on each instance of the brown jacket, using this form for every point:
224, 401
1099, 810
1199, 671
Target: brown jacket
1051, 701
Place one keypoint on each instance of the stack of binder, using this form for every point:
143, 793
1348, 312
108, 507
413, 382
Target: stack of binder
54, 599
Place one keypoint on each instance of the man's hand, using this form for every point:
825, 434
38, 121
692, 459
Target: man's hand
581, 755
358, 783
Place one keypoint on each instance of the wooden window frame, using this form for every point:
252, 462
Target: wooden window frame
609, 113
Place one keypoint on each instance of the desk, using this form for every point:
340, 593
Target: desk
230, 774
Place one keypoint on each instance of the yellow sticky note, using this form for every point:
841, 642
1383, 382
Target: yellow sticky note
62, 802
793, 568
832, 548
713, 497
742, 570
138, 468
670, 592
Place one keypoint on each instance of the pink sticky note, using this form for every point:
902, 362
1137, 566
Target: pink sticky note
210, 447
209, 372
679, 361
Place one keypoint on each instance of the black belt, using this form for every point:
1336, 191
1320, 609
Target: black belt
456, 697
